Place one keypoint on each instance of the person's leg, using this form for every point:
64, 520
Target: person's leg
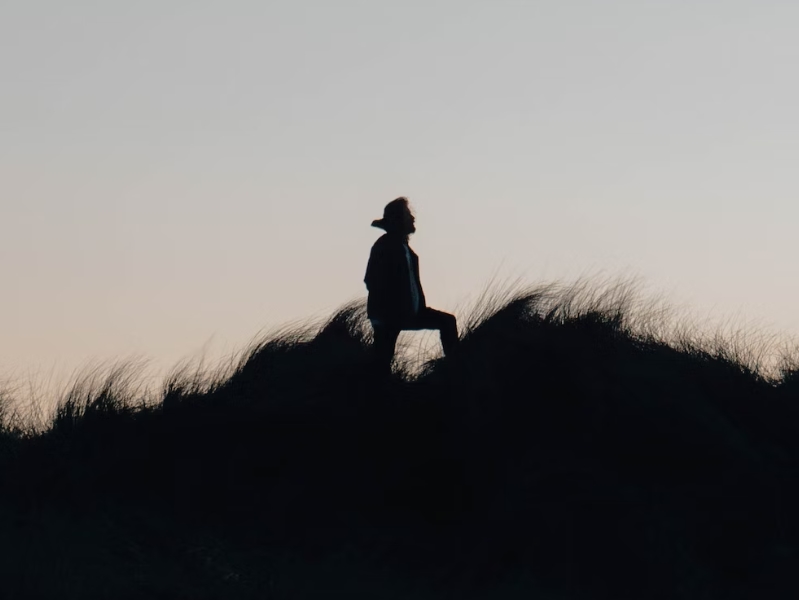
385, 340
446, 324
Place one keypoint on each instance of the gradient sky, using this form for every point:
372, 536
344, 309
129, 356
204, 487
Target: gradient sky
180, 174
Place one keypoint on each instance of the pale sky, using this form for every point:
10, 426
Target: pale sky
180, 174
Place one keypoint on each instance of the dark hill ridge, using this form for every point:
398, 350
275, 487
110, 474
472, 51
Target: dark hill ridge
565, 453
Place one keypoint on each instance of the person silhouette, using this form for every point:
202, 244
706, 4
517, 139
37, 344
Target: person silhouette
396, 301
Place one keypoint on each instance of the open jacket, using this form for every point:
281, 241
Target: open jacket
389, 282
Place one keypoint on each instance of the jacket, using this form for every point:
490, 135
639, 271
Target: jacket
388, 281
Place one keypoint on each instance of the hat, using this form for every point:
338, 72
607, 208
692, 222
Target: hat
391, 213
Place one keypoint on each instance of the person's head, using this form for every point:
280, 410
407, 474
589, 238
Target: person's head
397, 218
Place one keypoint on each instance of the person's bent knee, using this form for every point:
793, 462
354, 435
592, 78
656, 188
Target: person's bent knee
451, 321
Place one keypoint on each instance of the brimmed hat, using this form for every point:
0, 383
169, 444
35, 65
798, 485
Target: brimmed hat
391, 213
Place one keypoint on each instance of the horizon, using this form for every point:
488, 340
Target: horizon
182, 176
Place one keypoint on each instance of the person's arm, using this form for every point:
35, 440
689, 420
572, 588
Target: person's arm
375, 269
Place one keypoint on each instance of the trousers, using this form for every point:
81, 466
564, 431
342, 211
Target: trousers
385, 335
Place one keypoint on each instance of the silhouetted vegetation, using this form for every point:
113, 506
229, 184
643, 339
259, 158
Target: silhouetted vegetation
579, 446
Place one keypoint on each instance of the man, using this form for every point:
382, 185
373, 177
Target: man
396, 300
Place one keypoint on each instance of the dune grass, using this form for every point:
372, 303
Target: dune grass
584, 443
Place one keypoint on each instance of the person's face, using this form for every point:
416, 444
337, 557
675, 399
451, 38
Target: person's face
408, 222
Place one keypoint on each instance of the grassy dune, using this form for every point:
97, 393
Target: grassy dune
579, 446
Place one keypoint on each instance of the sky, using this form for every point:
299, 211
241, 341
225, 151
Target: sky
177, 176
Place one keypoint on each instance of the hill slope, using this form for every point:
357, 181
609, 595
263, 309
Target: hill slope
566, 452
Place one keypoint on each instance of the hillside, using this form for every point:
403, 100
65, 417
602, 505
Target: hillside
577, 447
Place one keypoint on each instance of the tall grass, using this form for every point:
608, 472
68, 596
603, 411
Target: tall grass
585, 442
